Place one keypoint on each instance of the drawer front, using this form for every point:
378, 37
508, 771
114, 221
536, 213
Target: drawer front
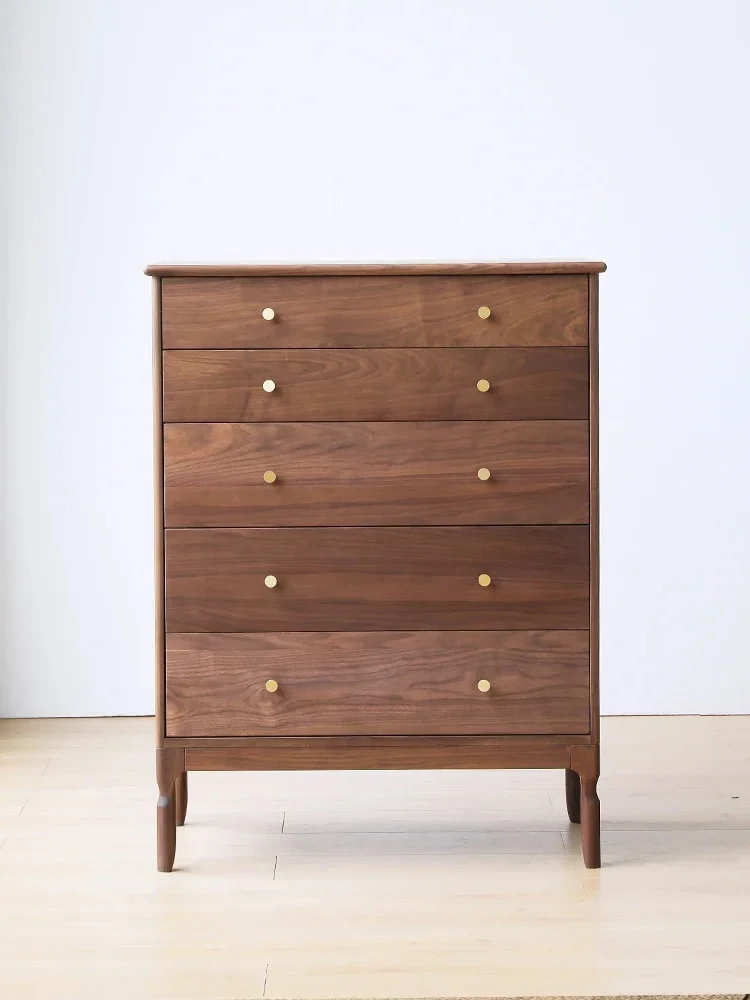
426, 384
345, 311
351, 579
377, 683
376, 473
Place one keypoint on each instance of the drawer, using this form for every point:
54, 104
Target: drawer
403, 384
376, 473
371, 311
377, 683
353, 579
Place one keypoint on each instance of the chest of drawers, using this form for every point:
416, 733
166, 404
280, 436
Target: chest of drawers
376, 522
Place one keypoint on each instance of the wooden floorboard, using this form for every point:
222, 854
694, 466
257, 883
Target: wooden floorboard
373, 884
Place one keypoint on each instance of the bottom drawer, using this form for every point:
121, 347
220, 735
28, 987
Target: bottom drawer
377, 683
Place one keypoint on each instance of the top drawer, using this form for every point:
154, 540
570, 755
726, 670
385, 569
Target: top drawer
346, 311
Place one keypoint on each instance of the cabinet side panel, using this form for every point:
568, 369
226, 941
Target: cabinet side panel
594, 499
158, 516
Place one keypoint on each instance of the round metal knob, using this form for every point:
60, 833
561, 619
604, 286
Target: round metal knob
484, 580
484, 312
271, 581
484, 686
269, 385
270, 476
268, 314
484, 475
274, 685
483, 385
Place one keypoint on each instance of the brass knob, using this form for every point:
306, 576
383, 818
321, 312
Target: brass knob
483, 385
483, 686
274, 685
269, 385
484, 579
271, 581
483, 312
268, 314
484, 475
269, 477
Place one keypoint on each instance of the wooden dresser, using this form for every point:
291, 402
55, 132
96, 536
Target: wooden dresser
376, 522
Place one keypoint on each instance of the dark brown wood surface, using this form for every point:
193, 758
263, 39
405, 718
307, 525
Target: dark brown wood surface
170, 764
338, 753
342, 579
594, 497
377, 683
384, 311
254, 742
158, 469
388, 384
411, 348
405, 269
181, 798
573, 795
376, 473
585, 762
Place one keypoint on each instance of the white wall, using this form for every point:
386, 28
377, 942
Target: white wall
371, 129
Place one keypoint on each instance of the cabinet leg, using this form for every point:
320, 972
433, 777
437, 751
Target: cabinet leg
170, 764
590, 837
585, 762
181, 797
573, 795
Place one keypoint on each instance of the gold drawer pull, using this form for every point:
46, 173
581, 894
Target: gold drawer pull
484, 580
269, 385
484, 686
269, 477
268, 314
273, 685
483, 385
270, 581
484, 312
484, 475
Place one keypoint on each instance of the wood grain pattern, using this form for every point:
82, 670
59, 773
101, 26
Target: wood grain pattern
594, 497
381, 384
158, 472
334, 753
342, 579
173, 270
376, 473
377, 683
362, 742
377, 523
343, 311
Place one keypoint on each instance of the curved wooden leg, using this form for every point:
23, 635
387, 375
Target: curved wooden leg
169, 765
590, 838
573, 795
181, 797
585, 762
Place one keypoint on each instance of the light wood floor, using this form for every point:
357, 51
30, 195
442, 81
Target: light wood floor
379, 884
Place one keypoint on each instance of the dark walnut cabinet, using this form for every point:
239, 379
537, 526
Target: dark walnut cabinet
376, 522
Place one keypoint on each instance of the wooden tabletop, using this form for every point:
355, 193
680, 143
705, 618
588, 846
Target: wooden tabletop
331, 268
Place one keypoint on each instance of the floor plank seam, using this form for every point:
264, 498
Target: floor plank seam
536, 919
